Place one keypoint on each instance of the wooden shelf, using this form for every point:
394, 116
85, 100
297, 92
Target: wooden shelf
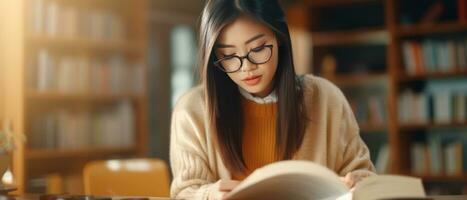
368, 128
35, 95
353, 80
48, 161
429, 29
436, 75
390, 34
371, 36
81, 44
327, 3
411, 127
22, 46
40, 154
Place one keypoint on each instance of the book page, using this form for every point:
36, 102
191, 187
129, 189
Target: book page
389, 187
290, 180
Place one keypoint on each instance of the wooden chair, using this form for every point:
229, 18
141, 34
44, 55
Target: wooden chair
130, 177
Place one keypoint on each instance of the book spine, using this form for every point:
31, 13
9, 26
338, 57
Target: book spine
462, 10
408, 58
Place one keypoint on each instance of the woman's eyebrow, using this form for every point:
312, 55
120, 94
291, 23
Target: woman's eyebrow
255, 38
248, 41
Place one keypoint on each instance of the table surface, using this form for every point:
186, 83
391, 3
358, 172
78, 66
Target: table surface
36, 197
449, 197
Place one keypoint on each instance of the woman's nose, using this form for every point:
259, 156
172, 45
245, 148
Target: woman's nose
248, 65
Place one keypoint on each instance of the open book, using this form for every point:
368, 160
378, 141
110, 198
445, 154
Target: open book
307, 180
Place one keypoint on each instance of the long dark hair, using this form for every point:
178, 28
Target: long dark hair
222, 96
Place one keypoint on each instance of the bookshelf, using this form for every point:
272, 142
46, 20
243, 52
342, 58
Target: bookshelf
420, 67
445, 127
79, 74
339, 49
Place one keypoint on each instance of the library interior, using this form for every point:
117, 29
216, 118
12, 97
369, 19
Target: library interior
89, 84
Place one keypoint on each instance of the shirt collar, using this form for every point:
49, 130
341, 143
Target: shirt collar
271, 98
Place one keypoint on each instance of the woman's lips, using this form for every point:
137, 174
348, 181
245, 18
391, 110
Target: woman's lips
252, 80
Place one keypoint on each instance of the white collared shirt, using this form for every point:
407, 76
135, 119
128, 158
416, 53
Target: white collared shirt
271, 98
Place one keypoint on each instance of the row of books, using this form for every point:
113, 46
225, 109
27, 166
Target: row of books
81, 74
430, 55
370, 111
111, 126
52, 19
440, 107
438, 156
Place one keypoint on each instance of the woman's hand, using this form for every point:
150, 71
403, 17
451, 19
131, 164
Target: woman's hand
221, 188
352, 178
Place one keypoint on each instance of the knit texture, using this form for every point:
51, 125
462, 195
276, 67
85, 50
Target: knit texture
331, 139
259, 135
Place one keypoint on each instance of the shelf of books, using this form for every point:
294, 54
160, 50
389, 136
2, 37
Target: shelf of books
84, 76
351, 52
430, 77
404, 72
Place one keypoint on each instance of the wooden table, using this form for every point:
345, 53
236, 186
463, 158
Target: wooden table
449, 197
36, 197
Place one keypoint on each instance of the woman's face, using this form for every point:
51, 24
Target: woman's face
246, 35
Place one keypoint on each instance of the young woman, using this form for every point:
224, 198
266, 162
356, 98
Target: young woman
252, 109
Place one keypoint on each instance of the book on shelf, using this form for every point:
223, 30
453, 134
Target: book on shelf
382, 163
52, 19
308, 180
442, 154
433, 13
80, 74
431, 56
435, 151
462, 10
112, 126
441, 107
377, 114
437, 103
409, 103
460, 108
453, 159
419, 159
369, 110
449, 99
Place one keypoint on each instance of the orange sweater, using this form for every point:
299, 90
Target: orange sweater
259, 135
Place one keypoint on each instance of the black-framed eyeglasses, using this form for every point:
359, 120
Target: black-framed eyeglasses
233, 63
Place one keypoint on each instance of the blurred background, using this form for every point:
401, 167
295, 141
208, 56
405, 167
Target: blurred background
85, 80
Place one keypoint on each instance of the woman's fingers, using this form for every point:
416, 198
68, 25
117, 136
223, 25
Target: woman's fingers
352, 178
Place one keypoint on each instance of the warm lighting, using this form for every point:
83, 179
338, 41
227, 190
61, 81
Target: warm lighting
114, 165
137, 165
7, 178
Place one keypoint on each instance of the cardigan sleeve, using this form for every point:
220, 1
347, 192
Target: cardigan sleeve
192, 177
355, 157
